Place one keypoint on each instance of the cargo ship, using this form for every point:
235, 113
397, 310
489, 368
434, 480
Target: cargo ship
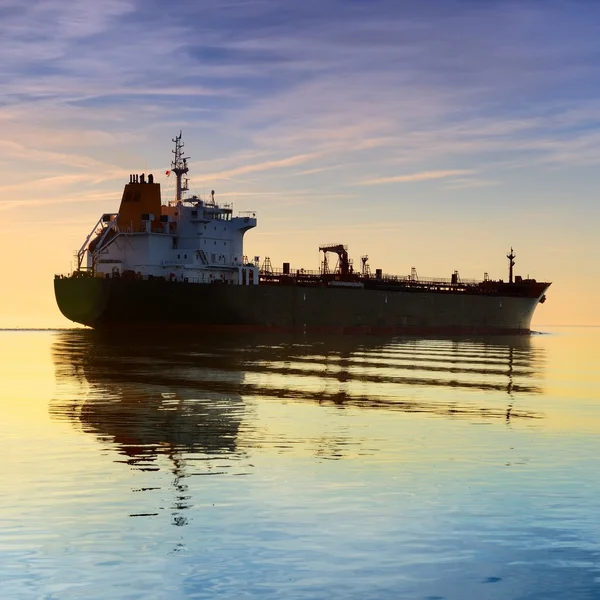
181, 264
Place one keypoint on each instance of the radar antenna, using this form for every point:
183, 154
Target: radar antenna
179, 167
365, 270
511, 264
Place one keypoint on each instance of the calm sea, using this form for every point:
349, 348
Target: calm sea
299, 467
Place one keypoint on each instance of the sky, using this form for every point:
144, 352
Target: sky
433, 135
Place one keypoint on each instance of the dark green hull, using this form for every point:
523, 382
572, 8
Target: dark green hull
156, 303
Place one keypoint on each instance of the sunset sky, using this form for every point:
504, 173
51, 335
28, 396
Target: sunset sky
429, 134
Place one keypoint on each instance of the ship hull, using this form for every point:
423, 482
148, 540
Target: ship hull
155, 303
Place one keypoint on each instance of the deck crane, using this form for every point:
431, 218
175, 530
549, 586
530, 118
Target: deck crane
344, 266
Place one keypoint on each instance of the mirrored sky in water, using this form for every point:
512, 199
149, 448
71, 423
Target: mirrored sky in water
299, 467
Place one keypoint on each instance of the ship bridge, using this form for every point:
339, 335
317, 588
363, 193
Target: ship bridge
188, 238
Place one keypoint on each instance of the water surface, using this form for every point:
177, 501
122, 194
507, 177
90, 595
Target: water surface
299, 467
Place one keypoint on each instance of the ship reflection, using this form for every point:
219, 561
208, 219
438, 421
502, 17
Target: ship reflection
147, 397
154, 395
189, 406
170, 407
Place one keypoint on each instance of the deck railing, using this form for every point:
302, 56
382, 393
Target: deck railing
405, 279
278, 275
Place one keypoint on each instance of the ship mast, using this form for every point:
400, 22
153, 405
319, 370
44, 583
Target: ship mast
511, 264
179, 167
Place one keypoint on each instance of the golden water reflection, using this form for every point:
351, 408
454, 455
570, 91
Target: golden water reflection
204, 406
157, 395
421, 465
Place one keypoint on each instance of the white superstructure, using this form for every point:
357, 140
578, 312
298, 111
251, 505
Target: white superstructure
191, 239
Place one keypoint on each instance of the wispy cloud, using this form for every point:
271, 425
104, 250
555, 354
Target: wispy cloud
68, 199
467, 183
322, 169
290, 161
387, 83
414, 177
87, 87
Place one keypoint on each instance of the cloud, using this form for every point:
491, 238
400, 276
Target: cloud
413, 177
322, 169
72, 198
387, 89
467, 183
256, 167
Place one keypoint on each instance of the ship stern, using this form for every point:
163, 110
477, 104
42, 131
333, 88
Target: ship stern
81, 298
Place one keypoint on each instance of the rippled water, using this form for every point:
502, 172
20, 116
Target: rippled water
299, 467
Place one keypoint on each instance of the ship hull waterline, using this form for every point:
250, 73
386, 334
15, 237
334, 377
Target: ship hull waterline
108, 303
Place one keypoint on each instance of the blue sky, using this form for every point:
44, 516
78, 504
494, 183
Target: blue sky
431, 134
